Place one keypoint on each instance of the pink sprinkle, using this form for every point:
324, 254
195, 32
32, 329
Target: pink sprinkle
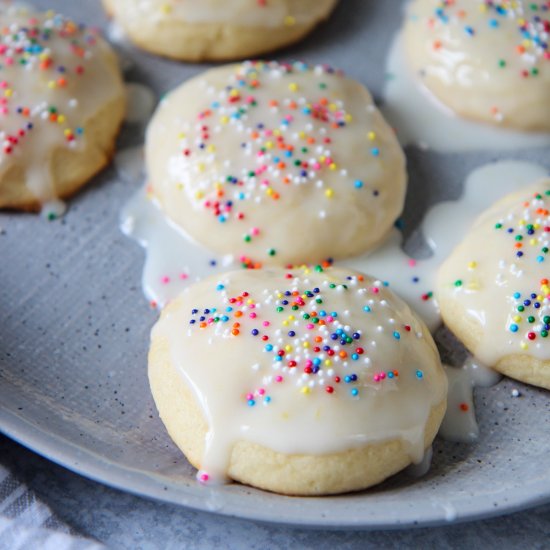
165, 280
266, 323
249, 396
278, 378
412, 263
376, 378
330, 318
255, 231
310, 326
375, 290
204, 477
184, 276
261, 391
252, 315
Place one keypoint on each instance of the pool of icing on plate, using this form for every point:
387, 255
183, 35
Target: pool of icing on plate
173, 260
422, 120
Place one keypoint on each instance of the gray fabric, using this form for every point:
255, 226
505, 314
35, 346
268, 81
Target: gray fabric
26, 522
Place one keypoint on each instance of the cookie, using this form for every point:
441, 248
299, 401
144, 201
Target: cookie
487, 61
62, 102
276, 163
301, 382
216, 30
494, 289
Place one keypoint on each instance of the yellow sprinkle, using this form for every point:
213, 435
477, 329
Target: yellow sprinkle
523, 345
199, 195
517, 318
269, 145
250, 301
61, 119
291, 318
348, 118
181, 135
234, 93
305, 390
289, 21
279, 295
306, 344
67, 132
332, 107
328, 362
166, 8
201, 167
51, 84
180, 186
329, 193
285, 323
371, 136
333, 166
302, 135
472, 265
288, 347
293, 87
8, 92
224, 119
532, 242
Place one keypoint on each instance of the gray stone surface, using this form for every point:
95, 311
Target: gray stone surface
120, 520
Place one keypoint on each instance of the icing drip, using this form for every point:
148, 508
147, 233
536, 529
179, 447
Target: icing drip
459, 423
329, 361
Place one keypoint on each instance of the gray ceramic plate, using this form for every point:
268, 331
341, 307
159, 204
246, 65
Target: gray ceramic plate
74, 333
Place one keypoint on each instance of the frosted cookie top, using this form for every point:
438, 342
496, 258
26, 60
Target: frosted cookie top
488, 60
276, 163
500, 276
259, 13
55, 76
303, 361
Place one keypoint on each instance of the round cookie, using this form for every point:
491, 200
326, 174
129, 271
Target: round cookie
276, 163
62, 101
216, 30
304, 382
494, 289
487, 61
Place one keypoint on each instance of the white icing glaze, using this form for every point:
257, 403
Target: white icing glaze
246, 13
488, 61
459, 423
276, 163
54, 77
499, 276
302, 362
423, 467
421, 120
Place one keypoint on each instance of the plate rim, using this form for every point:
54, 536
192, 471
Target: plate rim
84, 462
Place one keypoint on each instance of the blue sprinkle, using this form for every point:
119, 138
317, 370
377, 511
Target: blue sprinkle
220, 287
354, 391
514, 328
396, 335
367, 309
251, 402
358, 184
419, 374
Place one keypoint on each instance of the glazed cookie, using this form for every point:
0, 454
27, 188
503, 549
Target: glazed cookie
494, 289
199, 30
485, 60
304, 382
62, 102
276, 163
